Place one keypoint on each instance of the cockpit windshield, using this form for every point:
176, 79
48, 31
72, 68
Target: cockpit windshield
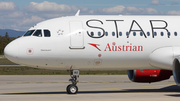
29, 33
38, 33
47, 33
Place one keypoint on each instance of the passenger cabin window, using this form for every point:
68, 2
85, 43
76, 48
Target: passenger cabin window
134, 33
99, 33
169, 33
38, 33
148, 33
29, 33
106, 33
175, 33
120, 33
47, 33
92, 33
155, 34
113, 33
141, 33
162, 34
127, 34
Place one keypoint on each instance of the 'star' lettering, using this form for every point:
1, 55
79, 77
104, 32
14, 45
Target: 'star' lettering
131, 30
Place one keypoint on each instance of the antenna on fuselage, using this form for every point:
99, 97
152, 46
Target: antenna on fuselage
77, 14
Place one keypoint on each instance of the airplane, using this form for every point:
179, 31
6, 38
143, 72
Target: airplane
147, 46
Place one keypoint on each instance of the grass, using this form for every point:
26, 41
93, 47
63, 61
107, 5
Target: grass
35, 71
5, 61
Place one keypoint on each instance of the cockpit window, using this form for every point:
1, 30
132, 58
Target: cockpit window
47, 33
38, 33
29, 33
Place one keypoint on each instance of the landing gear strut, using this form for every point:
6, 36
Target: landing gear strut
72, 88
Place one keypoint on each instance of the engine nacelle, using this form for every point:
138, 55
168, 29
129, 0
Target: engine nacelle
176, 70
148, 76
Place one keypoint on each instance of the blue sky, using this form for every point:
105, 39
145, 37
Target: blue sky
22, 14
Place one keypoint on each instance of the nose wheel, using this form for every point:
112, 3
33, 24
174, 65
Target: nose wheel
72, 88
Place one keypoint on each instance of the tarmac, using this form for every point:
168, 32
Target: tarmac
91, 88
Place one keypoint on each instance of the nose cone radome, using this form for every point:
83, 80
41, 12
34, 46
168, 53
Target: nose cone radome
11, 51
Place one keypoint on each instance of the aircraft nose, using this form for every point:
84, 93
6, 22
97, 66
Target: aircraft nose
11, 51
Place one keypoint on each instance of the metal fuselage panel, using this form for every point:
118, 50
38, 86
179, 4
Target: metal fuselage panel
98, 44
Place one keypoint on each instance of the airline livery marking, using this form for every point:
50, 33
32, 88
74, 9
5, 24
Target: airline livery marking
134, 23
95, 45
115, 47
130, 47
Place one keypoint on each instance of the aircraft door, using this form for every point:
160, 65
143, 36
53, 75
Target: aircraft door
77, 35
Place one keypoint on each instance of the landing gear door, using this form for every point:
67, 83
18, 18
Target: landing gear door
77, 35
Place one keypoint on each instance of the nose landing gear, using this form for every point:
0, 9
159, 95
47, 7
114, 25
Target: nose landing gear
72, 88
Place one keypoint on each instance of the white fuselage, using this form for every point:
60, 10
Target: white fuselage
100, 43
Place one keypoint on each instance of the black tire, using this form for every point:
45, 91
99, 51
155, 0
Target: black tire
72, 89
67, 88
